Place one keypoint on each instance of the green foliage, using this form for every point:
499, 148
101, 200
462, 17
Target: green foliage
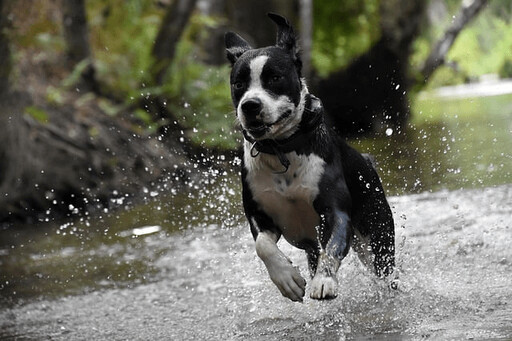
446, 76
54, 95
33, 27
483, 47
146, 118
506, 68
342, 31
49, 42
108, 107
74, 77
122, 35
200, 95
37, 113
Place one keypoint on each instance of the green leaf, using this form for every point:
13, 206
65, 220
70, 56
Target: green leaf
37, 113
74, 77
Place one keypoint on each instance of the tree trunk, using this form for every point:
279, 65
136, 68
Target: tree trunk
251, 21
306, 35
370, 95
5, 54
170, 32
248, 19
163, 52
76, 35
5, 71
438, 54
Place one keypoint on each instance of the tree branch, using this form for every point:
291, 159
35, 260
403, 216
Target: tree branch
469, 9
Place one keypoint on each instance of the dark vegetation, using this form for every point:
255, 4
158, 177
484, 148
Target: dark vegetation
104, 99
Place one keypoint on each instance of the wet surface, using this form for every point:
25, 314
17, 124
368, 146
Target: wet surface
451, 144
454, 283
51, 260
183, 266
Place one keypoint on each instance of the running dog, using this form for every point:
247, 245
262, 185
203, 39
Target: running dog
299, 179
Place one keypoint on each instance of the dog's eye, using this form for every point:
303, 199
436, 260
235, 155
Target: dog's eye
276, 79
238, 85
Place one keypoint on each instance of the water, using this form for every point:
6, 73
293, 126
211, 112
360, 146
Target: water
452, 144
183, 266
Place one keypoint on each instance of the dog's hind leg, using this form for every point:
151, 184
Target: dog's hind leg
382, 228
371, 215
382, 242
361, 246
374, 227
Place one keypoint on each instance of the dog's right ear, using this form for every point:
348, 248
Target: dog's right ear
235, 46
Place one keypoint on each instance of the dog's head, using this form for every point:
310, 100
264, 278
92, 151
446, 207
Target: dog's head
266, 86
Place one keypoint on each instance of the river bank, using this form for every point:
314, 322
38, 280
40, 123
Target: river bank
490, 86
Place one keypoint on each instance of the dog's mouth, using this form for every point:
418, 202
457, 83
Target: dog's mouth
284, 116
258, 129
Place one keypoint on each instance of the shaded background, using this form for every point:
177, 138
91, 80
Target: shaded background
120, 205
104, 97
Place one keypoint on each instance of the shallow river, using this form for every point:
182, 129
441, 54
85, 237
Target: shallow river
183, 267
455, 265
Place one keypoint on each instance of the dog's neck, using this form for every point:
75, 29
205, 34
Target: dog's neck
312, 118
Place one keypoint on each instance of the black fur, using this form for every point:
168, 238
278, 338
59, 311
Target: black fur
282, 65
350, 195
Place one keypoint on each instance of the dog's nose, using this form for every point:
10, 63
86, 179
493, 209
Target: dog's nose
251, 106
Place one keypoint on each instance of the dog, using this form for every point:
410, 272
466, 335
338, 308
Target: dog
300, 180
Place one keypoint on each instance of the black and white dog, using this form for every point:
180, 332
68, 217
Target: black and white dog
299, 179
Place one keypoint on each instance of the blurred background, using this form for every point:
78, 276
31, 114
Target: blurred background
102, 97
120, 204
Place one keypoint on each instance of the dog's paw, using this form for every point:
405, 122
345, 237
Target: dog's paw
323, 287
395, 284
288, 280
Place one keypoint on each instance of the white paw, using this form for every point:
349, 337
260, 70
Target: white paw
288, 280
323, 287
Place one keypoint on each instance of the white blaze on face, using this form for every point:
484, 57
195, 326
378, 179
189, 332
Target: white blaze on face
272, 107
256, 90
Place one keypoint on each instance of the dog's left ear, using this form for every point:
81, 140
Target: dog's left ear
286, 37
235, 46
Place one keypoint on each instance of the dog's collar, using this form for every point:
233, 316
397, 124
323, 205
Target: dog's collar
313, 110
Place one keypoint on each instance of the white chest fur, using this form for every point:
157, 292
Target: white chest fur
287, 198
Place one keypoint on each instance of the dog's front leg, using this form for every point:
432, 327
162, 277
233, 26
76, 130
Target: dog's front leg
324, 283
284, 275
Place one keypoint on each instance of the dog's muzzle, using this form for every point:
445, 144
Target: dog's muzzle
251, 107
314, 118
252, 111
